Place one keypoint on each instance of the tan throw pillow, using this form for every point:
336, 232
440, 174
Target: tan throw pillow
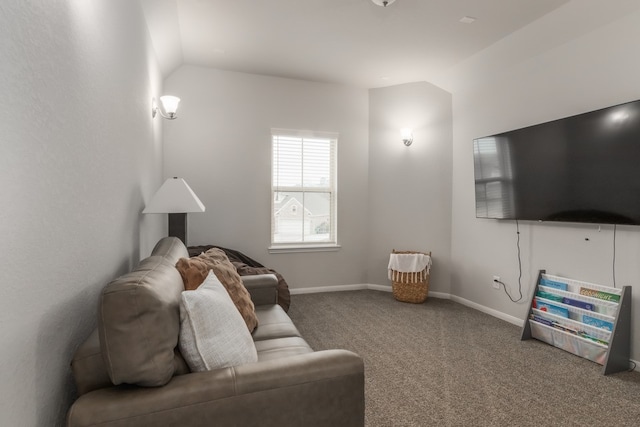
193, 274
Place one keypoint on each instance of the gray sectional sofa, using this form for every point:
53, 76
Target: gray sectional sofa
129, 372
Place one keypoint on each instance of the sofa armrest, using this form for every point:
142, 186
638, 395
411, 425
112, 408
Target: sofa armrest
314, 389
263, 288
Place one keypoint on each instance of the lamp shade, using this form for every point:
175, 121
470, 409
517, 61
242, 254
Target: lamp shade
384, 3
175, 196
407, 136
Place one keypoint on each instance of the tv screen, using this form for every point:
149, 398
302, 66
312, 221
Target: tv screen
584, 168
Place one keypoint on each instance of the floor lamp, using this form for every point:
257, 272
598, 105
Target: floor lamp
175, 198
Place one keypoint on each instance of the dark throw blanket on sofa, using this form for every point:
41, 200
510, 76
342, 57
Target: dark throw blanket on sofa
246, 267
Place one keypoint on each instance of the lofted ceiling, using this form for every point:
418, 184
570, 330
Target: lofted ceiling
351, 42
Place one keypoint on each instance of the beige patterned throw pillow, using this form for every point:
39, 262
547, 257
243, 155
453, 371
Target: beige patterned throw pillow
193, 274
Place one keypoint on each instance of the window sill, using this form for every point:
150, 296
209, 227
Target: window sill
284, 249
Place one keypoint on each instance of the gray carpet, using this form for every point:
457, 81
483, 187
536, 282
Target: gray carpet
443, 364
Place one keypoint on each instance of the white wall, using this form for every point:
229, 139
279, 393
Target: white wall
221, 145
579, 58
79, 155
410, 187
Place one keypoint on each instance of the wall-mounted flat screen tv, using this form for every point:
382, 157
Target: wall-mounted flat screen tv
584, 168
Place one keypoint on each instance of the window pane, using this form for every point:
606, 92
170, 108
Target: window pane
288, 217
287, 162
318, 221
317, 162
302, 217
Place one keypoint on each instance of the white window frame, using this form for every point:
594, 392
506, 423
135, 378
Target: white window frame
332, 188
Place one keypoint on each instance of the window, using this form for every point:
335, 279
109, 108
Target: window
303, 186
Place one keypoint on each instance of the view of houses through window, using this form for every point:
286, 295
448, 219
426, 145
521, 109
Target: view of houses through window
303, 188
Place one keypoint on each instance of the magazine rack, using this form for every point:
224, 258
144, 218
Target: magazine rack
588, 320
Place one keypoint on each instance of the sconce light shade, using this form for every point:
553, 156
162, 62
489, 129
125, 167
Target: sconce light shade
383, 3
176, 198
407, 136
169, 105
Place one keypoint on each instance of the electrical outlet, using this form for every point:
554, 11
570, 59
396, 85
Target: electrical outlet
495, 283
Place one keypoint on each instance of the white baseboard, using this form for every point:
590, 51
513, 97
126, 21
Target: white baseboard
357, 287
387, 288
319, 289
439, 295
490, 311
383, 288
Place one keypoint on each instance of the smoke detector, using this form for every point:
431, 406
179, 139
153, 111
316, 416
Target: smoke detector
383, 3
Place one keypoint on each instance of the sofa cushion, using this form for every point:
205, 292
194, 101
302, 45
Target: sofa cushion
139, 323
212, 332
278, 348
193, 274
273, 322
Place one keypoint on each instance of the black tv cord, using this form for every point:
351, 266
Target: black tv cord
504, 287
614, 254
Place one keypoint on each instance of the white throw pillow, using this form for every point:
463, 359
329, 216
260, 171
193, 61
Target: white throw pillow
212, 332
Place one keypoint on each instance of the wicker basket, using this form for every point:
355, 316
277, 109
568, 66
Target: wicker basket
412, 288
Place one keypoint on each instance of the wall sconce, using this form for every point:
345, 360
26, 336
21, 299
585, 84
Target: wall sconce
169, 104
383, 3
175, 198
407, 136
